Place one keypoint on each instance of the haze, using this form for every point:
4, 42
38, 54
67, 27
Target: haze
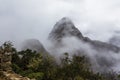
26, 19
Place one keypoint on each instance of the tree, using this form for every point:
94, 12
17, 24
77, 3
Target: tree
76, 68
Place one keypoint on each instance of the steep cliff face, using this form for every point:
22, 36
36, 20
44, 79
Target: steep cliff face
65, 28
98, 52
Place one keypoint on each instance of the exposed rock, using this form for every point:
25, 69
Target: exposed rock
6, 72
65, 28
5, 75
5, 61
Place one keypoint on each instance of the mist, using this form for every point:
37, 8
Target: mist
26, 19
34, 19
101, 61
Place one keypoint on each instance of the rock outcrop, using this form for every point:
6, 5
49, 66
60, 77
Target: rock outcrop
66, 28
10, 75
6, 72
98, 52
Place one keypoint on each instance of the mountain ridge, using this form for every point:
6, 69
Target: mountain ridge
65, 28
98, 52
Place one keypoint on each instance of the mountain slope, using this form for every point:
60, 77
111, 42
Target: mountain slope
65, 37
115, 40
65, 28
34, 45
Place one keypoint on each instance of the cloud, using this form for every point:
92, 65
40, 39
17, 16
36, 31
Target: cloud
101, 61
24, 19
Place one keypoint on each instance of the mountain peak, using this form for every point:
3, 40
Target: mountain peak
33, 44
64, 28
65, 20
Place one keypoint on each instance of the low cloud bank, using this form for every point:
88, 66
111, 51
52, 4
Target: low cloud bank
101, 61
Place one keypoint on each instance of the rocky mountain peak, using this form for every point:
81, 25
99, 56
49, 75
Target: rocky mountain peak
65, 20
64, 28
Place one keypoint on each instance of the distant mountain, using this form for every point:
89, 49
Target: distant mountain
34, 45
66, 28
101, 58
99, 52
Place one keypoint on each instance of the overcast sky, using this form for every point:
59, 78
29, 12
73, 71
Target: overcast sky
25, 19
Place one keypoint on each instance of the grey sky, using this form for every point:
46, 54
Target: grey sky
24, 19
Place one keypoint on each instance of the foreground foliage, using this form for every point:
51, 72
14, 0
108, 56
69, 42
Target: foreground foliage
33, 65
36, 66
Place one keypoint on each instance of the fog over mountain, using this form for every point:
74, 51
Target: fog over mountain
65, 37
115, 40
92, 31
33, 44
24, 19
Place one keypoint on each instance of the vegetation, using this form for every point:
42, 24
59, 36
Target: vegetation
33, 65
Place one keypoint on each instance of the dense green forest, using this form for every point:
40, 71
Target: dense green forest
36, 66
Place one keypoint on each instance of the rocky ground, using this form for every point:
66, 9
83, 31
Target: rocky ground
10, 75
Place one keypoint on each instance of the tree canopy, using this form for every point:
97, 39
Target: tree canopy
33, 65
